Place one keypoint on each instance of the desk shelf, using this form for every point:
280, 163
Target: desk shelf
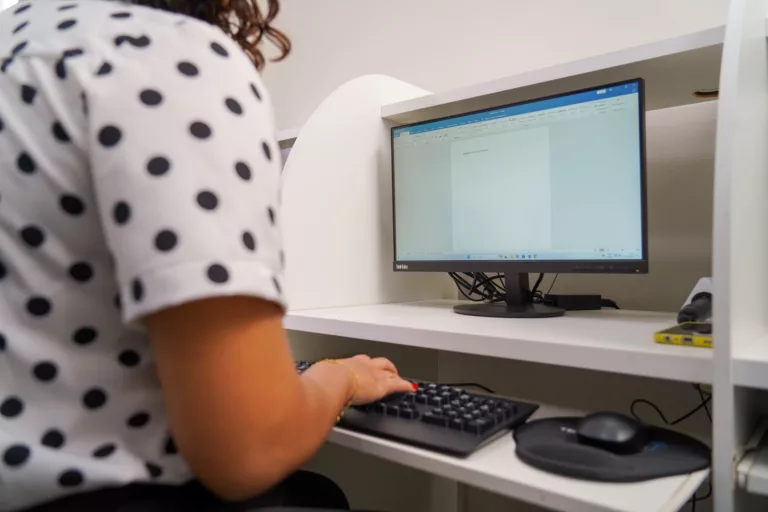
607, 340
496, 468
750, 364
672, 68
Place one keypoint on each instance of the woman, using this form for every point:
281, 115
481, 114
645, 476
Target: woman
140, 260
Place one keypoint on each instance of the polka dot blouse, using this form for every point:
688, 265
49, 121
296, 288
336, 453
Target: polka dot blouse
138, 171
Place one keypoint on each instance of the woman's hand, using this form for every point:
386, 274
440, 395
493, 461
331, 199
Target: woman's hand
376, 378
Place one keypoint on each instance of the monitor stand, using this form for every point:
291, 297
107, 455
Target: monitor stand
519, 303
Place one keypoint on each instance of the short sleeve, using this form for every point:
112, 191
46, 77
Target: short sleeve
185, 168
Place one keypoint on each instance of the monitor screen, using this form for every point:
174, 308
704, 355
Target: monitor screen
555, 179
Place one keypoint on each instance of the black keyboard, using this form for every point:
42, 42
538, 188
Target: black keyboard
437, 417
302, 366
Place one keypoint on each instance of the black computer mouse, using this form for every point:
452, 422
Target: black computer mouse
613, 432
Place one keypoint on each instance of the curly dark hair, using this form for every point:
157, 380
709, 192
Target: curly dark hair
243, 20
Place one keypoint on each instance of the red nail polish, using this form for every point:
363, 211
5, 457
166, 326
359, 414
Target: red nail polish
415, 387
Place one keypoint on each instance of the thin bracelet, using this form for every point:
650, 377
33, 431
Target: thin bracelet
357, 385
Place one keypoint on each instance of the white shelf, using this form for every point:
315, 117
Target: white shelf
673, 69
286, 138
607, 340
496, 468
750, 364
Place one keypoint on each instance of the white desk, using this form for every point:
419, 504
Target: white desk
496, 468
608, 340
615, 341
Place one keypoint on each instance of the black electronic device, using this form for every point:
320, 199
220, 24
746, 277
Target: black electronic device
442, 418
548, 185
698, 310
302, 366
612, 431
558, 445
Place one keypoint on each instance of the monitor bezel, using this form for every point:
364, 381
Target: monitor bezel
639, 266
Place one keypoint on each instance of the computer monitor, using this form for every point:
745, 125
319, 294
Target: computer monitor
555, 184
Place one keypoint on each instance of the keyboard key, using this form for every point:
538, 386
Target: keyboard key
437, 411
409, 414
433, 419
479, 426
465, 398
478, 401
477, 414
436, 400
393, 410
456, 424
485, 409
456, 403
422, 399
468, 417
432, 386
445, 395
380, 408
452, 414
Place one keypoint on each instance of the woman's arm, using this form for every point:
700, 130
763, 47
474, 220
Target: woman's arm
240, 415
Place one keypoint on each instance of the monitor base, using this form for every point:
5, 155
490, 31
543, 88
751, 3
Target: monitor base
503, 310
518, 303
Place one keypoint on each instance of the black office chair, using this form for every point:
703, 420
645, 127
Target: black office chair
301, 492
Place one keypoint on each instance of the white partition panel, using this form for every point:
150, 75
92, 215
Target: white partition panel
740, 232
337, 204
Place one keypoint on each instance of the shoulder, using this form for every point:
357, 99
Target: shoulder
88, 32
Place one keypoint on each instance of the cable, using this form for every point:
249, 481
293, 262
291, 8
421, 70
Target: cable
695, 499
706, 398
469, 385
649, 403
552, 285
661, 414
693, 411
703, 395
479, 287
538, 283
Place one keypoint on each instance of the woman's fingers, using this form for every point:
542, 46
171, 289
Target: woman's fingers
398, 385
385, 364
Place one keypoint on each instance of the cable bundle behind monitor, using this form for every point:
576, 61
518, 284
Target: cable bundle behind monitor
482, 287
479, 286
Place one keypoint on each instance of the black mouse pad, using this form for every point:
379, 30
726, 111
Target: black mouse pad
551, 445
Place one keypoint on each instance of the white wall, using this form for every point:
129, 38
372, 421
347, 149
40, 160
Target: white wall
4, 4
444, 44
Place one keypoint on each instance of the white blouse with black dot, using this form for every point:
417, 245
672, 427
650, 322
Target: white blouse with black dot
138, 170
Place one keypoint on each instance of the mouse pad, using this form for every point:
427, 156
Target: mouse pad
552, 445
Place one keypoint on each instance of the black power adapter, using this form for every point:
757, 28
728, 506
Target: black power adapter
578, 302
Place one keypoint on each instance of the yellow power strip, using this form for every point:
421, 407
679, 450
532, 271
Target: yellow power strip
691, 334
